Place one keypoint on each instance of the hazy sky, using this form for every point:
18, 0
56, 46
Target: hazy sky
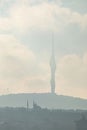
26, 28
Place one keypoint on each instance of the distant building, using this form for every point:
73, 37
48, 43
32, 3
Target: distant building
36, 107
81, 124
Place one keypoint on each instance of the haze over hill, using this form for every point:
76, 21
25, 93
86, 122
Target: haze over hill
45, 100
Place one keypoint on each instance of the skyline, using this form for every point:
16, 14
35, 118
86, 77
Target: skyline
25, 46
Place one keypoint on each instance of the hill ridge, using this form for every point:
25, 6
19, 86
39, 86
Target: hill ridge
48, 100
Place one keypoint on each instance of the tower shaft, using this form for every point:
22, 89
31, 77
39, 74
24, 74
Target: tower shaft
53, 69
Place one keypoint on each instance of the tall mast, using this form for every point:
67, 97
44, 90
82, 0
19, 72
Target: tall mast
53, 68
27, 105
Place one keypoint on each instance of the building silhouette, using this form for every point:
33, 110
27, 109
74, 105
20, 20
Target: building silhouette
36, 107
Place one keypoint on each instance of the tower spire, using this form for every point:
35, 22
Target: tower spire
53, 68
27, 105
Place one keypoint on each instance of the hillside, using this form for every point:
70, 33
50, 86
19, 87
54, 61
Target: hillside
45, 100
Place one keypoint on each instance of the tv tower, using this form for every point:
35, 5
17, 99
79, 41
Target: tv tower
53, 68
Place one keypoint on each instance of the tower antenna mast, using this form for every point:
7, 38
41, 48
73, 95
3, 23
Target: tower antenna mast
53, 67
